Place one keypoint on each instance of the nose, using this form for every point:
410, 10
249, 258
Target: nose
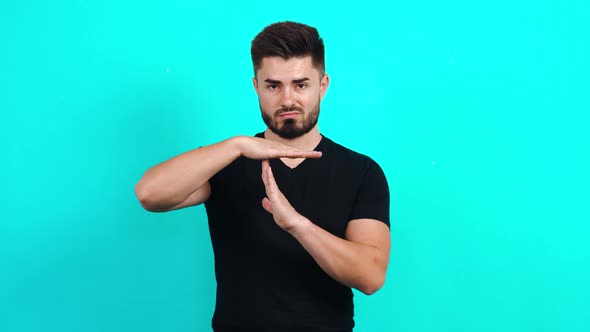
287, 98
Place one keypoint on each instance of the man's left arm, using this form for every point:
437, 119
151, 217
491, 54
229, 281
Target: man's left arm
359, 260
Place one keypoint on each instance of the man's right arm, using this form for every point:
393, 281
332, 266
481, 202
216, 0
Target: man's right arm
184, 180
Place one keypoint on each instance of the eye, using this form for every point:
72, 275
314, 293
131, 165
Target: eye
302, 85
272, 86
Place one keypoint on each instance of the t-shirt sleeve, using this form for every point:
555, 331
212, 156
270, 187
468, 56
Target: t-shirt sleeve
372, 200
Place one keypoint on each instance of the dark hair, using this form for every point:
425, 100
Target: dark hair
288, 40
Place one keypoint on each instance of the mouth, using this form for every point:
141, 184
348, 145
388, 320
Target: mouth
289, 115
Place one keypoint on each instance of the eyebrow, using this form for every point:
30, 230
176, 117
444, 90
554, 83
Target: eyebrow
299, 80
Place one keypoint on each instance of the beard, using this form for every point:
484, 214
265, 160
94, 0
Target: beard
291, 128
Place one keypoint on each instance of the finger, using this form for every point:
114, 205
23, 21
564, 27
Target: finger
265, 177
268, 177
267, 205
264, 168
284, 151
303, 154
270, 185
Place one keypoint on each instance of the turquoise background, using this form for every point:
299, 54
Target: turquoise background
477, 112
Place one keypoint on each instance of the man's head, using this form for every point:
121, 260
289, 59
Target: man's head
288, 60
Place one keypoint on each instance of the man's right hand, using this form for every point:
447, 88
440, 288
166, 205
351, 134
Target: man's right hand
262, 149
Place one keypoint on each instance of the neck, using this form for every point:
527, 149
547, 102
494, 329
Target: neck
306, 142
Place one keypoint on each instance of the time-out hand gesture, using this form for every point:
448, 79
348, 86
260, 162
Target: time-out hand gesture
276, 203
260, 149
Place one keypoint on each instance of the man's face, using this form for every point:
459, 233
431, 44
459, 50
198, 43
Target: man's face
289, 93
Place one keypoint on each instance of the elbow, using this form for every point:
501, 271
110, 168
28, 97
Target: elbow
372, 285
370, 289
146, 197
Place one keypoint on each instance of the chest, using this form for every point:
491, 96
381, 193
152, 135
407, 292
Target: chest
322, 191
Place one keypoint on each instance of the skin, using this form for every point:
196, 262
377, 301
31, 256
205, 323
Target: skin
290, 106
283, 83
360, 259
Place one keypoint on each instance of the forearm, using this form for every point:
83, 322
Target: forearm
353, 264
170, 183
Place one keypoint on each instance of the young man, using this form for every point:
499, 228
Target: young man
296, 220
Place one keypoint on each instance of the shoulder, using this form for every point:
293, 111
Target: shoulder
357, 169
365, 176
347, 157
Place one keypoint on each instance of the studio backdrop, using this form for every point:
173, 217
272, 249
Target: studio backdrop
477, 112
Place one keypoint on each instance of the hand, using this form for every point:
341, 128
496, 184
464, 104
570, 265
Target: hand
260, 149
277, 204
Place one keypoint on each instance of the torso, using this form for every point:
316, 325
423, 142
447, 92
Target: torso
261, 270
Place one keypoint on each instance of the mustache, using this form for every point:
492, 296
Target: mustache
288, 109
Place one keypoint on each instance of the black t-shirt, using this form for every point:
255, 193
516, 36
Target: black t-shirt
265, 278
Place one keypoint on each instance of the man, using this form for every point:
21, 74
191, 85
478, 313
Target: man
295, 219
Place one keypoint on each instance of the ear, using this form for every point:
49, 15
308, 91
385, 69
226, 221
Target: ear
255, 83
324, 82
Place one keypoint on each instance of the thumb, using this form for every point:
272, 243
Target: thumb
267, 205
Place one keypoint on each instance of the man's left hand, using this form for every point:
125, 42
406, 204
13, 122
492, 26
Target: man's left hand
276, 203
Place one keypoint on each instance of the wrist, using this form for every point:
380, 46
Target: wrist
300, 227
236, 146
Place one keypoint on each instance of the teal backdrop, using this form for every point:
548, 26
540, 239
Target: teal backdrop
477, 112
